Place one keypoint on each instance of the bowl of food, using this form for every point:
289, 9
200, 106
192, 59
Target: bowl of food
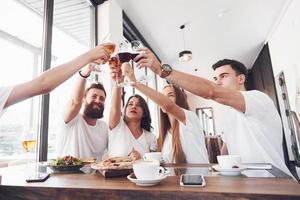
66, 164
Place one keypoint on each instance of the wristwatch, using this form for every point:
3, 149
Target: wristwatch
166, 70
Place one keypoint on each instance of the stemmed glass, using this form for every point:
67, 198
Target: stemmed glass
29, 142
110, 48
124, 55
141, 74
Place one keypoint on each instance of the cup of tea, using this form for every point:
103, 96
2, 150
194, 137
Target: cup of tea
153, 156
229, 161
148, 170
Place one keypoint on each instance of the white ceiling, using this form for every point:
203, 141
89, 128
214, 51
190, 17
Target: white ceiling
216, 29
71, 16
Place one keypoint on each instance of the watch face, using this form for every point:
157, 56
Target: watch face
166, 67
165, 70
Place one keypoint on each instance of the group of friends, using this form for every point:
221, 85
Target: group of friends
252, 126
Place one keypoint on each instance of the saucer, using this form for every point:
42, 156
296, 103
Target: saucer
140, 182
229, 172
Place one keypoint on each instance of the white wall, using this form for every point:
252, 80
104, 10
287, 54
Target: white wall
284, 47
285, 52
110, 27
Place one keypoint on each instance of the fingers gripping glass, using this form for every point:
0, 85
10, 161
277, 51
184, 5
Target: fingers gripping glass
98, 66
127, 51
141, 74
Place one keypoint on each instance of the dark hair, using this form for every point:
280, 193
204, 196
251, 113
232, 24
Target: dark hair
146, 119
97, 86
165, 125
237, 66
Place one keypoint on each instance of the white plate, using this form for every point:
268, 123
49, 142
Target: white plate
139, 182
229, 172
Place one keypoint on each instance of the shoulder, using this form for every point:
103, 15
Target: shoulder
121, 127
256, 97
4, 90
258, 103
190, 116
149, 134
255, 94
74, 121
4, 93
102, 123
189, 113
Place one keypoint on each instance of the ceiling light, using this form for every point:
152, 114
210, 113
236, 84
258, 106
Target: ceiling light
185, 55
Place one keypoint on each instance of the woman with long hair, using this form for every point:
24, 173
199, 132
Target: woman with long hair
181, 138
129, 135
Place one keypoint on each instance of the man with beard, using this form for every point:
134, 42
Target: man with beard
83, 132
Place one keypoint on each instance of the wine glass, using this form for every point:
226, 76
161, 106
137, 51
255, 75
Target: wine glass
124, 55
29, 142
98, 66
141, 74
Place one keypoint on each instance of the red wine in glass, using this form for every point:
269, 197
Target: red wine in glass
124, 57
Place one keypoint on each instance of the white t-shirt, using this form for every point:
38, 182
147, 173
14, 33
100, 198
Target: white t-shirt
4, 94
79, 139
121, 141
191, 138
255, 135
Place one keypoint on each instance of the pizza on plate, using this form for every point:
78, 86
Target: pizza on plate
114, 163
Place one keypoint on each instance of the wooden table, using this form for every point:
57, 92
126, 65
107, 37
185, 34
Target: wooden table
88, 186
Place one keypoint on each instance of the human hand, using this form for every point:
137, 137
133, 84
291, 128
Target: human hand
135, 155
128, 71
115, 69
148, 59
101, 53
86, 71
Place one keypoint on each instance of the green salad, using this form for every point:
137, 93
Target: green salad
66, 160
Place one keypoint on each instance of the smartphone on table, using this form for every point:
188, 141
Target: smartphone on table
37, 177
192, 180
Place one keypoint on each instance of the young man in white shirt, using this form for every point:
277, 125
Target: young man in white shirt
84, 134
50, 79
253, 128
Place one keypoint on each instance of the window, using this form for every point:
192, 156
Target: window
20, 49
72, 36
207, 120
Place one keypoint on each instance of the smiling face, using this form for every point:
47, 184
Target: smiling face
94, 103
226, 77
134, 109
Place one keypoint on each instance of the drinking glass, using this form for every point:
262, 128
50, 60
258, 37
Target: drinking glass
124, 55
98, 67
29, 142
141, 74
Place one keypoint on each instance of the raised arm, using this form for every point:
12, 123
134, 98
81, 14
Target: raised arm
194, 84
161, 100
74, 104
115, 107
50, 79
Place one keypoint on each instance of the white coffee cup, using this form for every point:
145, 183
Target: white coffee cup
229, 161
153, 156
147, 170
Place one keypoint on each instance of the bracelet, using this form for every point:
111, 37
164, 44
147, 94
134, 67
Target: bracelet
83, 75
